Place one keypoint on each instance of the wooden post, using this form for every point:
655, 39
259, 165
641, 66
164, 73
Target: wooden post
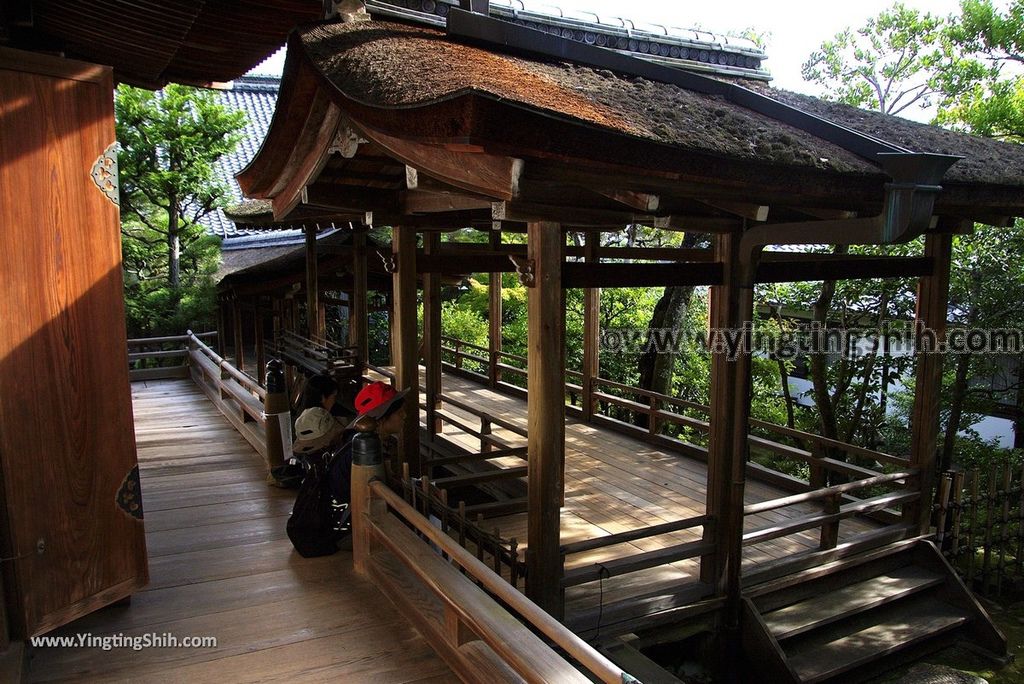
545, 414
432, 334
222, 328
404, 337
367, 465
236, 320
276, 407
731, 313
830, 530
494, 314
358, 337
929, 329
261, 361
312, 285
591, 329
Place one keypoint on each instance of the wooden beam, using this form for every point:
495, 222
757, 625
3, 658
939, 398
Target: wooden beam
641, 201
640, 275
792, 268
746, 210
421, 202
308, 158
350, 199
490, 175
653, 253
932, 309
312, 286
404, 334
358, 331
546, 416
432, 335
458, 263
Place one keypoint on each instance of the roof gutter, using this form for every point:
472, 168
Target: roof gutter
906, 214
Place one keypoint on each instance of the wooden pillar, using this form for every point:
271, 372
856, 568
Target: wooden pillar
236, 321
591, 329
360, 295
930, 331
546, 414
731, 312
313, 328
432, 334
261, 360
222, 327
494, 315
404, 338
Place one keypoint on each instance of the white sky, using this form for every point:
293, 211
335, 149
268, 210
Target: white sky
795, 28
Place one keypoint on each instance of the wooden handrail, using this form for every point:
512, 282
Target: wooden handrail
464, 343
511, 427
604, 669
379, 370
160, 372
243, 379
826, 442
633, 535
826, 492
170, 338
792, 526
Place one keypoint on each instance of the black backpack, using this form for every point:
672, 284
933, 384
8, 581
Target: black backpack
320, 516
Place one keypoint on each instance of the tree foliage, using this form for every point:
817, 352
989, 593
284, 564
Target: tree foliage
170, 142
888, 64
982, 78
969, 64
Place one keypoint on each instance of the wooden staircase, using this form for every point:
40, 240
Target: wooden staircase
851, 619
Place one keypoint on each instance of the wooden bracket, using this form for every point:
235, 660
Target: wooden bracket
390, 261
524, 269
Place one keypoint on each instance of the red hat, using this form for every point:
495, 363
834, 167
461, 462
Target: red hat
375, 399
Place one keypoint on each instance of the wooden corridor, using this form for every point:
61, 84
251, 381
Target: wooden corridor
221, 566
616, 483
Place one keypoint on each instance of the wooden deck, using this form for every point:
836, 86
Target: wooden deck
221, 566
615, 483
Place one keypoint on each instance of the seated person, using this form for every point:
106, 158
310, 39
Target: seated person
317, 428
326, 449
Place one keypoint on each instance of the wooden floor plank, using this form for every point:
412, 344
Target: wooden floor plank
615, 483
221, 566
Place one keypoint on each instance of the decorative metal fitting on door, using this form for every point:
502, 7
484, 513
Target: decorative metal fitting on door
104, 173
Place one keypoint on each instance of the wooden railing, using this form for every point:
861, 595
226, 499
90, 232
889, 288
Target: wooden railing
453, 598
683, 426
238, 396
316, 356
430, 498
147, 356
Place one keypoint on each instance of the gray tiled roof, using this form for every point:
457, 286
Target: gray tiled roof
256, 95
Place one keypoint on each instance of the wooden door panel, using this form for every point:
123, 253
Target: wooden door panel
67, 439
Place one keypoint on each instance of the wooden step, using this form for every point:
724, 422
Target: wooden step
829, 607
911, 624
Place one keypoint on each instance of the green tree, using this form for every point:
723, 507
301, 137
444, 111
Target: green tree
170, 142
981, 78
969, 64
889, 64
